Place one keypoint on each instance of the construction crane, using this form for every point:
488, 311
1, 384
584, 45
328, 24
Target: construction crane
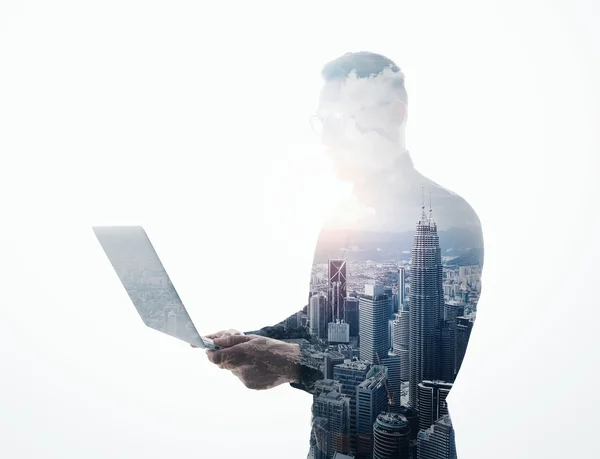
390, 396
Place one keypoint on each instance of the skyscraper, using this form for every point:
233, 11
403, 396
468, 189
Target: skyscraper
401, 331
426, 305
350, 375
391, 434
394, 382
335, 407
437, 442
317, 316
432, 401
388, 291
336, 287
373, 323
401, 286
371, 400
464, 326
448, 351
351, 314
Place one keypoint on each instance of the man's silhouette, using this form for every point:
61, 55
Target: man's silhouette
379, 367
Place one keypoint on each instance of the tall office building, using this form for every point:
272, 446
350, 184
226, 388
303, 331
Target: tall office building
294, 321
371, 400
335, 407
426, 305
412, 417
437, 442
317, 316
373, 323
394, 379
336, 288
464, 325
391, 435
401, 334
338, 333
331, 359
448, 351
350, 375
401, 286
351, 314
432, 401
322, 438
388, 291
324, 386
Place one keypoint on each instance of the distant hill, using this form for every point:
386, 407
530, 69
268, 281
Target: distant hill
386, 246
470, 257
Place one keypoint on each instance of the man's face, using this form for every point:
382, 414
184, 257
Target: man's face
355, 118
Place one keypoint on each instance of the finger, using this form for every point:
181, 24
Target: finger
224, 333
231, 340
224, 358
233, 359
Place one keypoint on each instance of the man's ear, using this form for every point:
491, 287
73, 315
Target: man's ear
399, 110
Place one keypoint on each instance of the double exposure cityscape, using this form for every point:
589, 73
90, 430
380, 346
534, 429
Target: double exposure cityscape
389, 336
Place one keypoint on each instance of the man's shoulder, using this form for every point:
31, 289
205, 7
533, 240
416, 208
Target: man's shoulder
450, 210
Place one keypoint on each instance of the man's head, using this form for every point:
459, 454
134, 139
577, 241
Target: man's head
364, 93
361, 115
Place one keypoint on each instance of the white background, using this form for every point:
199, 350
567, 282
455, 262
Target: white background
168, 114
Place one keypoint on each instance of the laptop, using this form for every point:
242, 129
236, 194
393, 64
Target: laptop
147, 283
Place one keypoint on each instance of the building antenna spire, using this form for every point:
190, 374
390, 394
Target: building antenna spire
430, 202
423, 216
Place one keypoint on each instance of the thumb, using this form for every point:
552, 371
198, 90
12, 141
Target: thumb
231, 340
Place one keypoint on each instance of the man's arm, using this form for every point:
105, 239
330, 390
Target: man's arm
310, 369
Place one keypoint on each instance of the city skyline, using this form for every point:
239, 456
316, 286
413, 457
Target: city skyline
397, 366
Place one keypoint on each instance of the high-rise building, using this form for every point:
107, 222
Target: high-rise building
437, 442
432, 401
317, 316
335, 407
413, 421
324, 386
401, 286
426, 305
448, 351
394, 381
373, 323
371, 400
350, 375
294, 321
336, 288
351, 314
391, 435
388, 291
322, 438
464, 326
401, 332
331, 359
338, 333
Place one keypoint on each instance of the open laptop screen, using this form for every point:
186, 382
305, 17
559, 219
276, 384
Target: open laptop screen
147, 283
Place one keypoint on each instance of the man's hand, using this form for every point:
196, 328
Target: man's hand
222, 334
260, 363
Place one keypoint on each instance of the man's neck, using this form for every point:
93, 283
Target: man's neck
380, 182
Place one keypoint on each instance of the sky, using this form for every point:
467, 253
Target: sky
192, 120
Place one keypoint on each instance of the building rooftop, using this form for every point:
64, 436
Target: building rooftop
392, 421
354, 365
